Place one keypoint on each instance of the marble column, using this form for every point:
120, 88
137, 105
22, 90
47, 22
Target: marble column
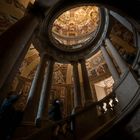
15, 69
122, 20
45, 93
110, 64
16, 40
68, 99
34, 93
94, 94
77, 89
86, 84
120, 62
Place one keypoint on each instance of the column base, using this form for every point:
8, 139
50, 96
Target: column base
43, 122
76, 109
38, 122
88, 103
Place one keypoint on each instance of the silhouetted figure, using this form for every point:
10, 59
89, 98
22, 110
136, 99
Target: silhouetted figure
7, 115
55, 111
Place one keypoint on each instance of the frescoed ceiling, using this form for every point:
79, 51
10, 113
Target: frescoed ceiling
72, 27
77, 22
74, 23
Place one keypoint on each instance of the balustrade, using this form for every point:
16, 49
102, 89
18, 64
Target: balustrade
63, 128
107, 104
68, 127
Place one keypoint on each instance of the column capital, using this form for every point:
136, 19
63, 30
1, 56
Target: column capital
42, 54
74, 63
82, 61
45, 55
51, 59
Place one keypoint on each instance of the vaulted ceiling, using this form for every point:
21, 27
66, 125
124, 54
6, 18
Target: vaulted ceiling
76, 22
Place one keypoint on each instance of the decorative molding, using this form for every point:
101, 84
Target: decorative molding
5, 22
16, 3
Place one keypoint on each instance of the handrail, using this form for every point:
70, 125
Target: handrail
100, 115
64, 127
123, 102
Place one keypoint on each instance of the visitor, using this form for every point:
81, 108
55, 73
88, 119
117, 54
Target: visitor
55, 113
7, 115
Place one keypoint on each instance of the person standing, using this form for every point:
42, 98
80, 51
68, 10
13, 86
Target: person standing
7, 113
55, 113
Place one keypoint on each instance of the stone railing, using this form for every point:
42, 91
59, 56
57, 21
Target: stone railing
68, 127
107, 104
100, 116
97, 118
51, 131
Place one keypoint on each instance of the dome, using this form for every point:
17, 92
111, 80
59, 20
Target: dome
76, 25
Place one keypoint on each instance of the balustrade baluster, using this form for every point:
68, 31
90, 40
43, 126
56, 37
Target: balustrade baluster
101, 108
114, 101
108, 105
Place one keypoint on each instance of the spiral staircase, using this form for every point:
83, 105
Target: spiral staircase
116, 116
